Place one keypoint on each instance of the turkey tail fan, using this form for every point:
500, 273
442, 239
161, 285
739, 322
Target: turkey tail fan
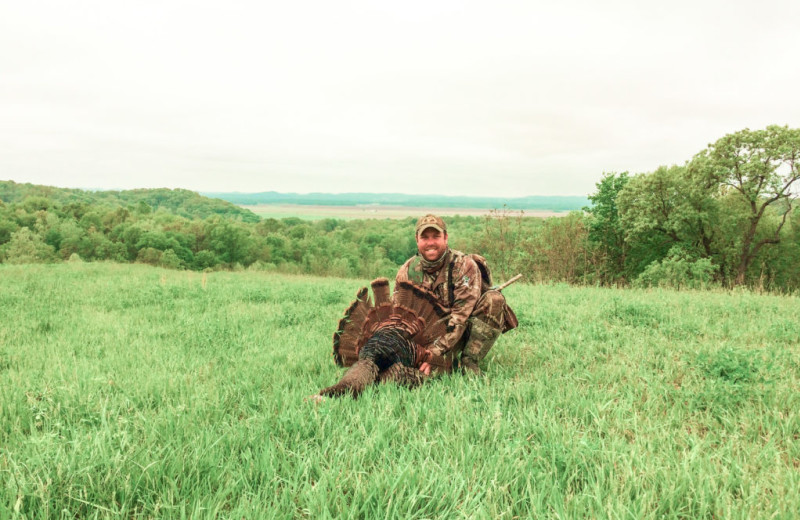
431, 332
425, 308
349, 332
369, 324
412, 310
420, 304
412, 296
382, 309
360, 307
433, 315
380, 291
406, 320
403, 294
404, 314
377, 318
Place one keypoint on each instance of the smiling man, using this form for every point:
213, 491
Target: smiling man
477, 314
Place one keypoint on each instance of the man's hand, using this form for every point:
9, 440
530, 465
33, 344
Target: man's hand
425, 367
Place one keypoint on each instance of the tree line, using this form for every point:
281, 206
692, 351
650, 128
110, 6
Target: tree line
182, 230
178, 202
726, 217
46, 224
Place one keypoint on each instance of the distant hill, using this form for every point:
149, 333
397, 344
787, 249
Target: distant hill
184, 203
556, 203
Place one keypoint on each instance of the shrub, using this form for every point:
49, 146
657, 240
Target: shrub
678, 271
205, 259
26, 247
170, 260
148, 255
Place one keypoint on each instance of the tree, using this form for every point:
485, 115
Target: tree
7, 228
604, 228
760, 168
231, 242
204, 259
26, 247
668, 210
170, 260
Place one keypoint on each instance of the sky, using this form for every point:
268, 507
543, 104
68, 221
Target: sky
500, 98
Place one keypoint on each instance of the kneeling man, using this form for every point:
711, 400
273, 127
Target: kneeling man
478, 314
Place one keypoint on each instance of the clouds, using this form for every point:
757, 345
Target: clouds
371, 96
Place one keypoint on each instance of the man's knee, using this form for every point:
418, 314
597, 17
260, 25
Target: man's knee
489, 309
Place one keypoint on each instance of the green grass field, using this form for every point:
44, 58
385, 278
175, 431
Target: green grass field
130, 391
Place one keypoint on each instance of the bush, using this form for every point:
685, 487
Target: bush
170, 260
149, 255
26, 247
205, 259
678, 271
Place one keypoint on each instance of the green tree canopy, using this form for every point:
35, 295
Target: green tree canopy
760, 168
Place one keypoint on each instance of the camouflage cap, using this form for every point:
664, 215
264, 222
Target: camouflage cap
430, 221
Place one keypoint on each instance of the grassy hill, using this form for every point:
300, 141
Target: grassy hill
179, 202
128, 390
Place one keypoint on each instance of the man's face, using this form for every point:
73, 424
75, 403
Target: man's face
431, 244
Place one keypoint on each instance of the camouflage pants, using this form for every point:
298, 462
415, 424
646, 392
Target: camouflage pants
485, 326
489, 309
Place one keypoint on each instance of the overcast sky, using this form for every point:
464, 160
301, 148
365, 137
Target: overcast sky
454, 97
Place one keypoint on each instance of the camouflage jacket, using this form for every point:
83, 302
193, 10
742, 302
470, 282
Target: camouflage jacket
466, 283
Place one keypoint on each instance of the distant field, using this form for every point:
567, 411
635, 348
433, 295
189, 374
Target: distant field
309, 212
128, 391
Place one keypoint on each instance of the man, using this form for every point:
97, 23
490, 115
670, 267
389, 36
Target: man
477, 315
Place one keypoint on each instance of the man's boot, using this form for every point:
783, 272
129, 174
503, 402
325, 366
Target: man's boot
481, 338
355, 380
402, 375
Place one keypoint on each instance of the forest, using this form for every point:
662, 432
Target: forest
725, 218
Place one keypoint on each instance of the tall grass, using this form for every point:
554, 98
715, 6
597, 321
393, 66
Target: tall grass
137, 392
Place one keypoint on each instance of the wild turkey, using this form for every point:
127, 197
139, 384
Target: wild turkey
386, 339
